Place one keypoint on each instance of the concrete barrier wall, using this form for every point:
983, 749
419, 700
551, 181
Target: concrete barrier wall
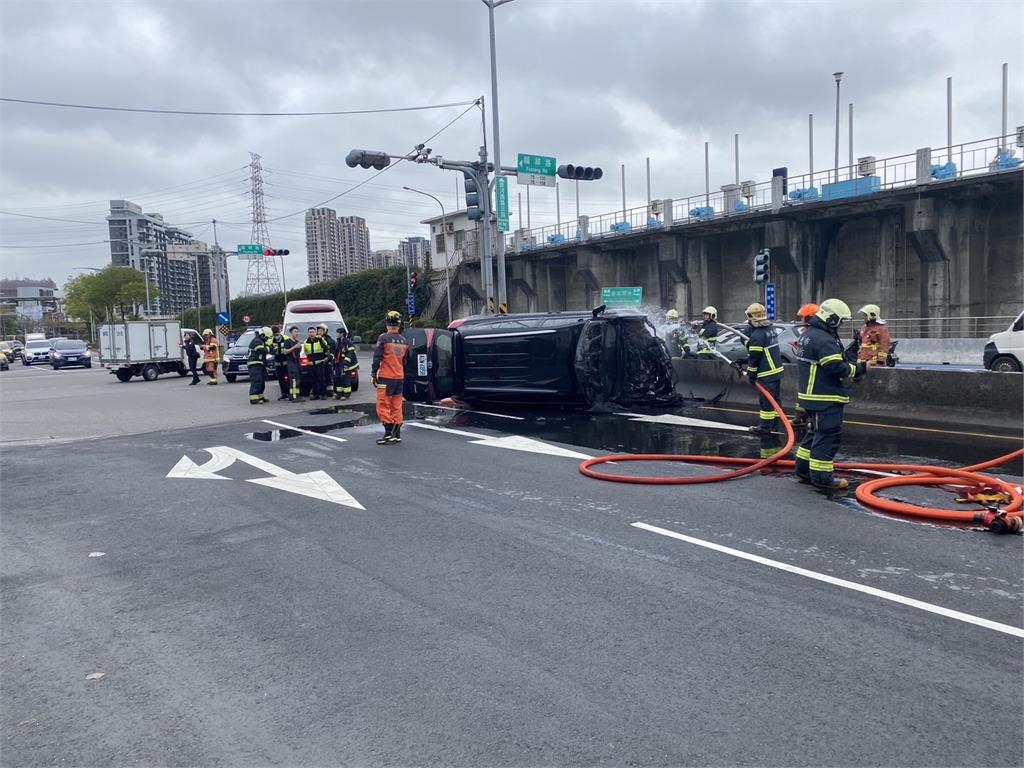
993, 402
939, 351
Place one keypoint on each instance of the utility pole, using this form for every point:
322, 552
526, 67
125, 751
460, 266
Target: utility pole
491, 5
838, 76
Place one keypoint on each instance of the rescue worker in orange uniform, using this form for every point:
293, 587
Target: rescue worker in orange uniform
211, 355
875, 340
388, 376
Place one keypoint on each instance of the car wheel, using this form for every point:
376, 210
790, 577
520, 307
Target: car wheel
231, 377
150, 373
124, 376
55, 367
88, 365
1005, 364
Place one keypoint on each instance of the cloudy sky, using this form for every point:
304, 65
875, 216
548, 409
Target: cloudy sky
597, 82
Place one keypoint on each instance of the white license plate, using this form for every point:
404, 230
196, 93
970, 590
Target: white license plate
72, 359
243, 367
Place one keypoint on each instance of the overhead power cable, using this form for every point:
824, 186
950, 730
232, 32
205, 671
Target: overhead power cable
211, 113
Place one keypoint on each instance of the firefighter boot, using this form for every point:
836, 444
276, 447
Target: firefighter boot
803, 465
829, 482
386, 439
396, 434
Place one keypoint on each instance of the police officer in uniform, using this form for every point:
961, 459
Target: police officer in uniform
292, 349
316, 351
276, 345
823, 391
764, 367
257, 363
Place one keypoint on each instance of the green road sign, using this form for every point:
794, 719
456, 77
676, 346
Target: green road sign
501, 194
622, 298
538, 170
247, 250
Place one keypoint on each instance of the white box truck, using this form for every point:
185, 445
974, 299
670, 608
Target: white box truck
143, 348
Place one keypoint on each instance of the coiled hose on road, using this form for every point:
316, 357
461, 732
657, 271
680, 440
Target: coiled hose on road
1006, 518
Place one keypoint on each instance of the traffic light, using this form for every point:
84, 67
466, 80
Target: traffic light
762, 265
472, 198
413, 280
581, 172
276, 251
367, 158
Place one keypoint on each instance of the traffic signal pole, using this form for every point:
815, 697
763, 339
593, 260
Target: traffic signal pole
500, 239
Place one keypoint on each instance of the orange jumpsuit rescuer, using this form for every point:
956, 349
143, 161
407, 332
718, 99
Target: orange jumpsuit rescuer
388, 376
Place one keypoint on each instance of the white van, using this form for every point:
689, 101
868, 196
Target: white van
303, 314
1005, 350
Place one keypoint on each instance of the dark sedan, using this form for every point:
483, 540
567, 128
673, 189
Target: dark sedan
70, 352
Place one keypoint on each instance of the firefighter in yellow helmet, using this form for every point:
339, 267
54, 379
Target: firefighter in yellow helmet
673, 333
875, 340
823, 391
211, 355
764, 367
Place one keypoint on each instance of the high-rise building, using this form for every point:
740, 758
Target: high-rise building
335, 246
140, 240
384, 258
196, 261
354, 241
323, 253
414, 252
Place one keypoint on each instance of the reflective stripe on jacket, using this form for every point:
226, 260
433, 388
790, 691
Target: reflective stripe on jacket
211, 351
316, 350
257, 352
389, 357
822, 368
763, 356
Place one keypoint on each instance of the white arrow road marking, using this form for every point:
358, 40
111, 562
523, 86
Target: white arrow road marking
304, 431
188, 469
511, 442
317, 484
682, 421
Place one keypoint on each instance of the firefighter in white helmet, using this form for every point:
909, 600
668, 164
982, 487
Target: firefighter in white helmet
875, 340
823, 391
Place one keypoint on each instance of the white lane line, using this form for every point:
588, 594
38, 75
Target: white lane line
470, 410
305, 431
909, 601
510, 442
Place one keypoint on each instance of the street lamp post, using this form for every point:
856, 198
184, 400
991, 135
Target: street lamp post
838, 76
491, 5
444, 241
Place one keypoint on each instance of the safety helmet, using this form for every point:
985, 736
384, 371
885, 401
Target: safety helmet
322, 326
266, 332
709, 310
672, 315
392, 319
207, 332
871, 311
807, 311
833, 312
756, 311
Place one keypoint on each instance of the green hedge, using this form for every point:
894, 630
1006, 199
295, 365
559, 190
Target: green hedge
363, 299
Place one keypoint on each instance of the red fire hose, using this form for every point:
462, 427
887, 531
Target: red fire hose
1009, 517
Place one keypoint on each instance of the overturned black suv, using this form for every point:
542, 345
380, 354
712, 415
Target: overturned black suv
556, 358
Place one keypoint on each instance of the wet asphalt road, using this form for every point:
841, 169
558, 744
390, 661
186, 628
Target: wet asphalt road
487, 606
